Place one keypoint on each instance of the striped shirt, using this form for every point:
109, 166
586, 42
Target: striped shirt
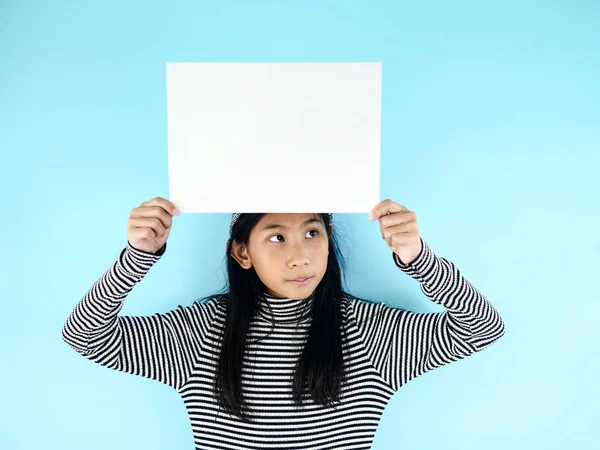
385, 348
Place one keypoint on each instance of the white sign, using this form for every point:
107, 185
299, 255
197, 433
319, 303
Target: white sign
274, 137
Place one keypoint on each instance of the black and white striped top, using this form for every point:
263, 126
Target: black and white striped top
387, 347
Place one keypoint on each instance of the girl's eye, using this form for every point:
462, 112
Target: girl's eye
275, 235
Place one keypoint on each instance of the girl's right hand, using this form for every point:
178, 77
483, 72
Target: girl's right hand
149, 225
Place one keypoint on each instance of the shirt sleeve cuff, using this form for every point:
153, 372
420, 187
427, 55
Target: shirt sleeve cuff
138, 262
422, 266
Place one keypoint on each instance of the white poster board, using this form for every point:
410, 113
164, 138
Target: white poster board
274, 137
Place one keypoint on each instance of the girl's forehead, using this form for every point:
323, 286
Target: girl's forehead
287, 220
290, 217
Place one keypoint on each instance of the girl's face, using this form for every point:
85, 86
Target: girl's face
283, 247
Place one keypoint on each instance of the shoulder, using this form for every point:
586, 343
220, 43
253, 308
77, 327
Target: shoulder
363, 310
214, 303
356, 304
203, 308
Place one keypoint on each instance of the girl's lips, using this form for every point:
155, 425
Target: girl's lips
302, 281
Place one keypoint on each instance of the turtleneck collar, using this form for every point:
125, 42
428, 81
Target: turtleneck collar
285, 310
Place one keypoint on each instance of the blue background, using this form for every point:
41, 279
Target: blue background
490, 133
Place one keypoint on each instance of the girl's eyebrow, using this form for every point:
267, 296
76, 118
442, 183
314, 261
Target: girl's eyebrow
274, 225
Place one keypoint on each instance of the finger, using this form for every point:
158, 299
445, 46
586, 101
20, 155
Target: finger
164, 203
146, 232
151, 224
156, 212
386, 205
142, 233
399, 240
403, 231
399, 217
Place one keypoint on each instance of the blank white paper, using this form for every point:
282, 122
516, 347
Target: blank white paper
274, 137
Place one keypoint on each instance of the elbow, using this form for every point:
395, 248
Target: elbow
493, 335
498, 329
74, 341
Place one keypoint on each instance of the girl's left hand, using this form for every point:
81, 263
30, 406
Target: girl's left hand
399, 229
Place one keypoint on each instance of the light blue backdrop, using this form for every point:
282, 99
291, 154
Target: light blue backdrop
490, 133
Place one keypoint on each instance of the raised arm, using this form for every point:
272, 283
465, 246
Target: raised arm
161, 347
403, 344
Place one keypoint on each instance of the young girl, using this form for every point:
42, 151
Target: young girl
276, 362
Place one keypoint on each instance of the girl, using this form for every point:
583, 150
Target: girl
285, 358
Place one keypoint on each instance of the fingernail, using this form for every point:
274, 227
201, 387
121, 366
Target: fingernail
176, 212
371, 217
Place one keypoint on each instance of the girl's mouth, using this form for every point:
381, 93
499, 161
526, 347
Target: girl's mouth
301, 282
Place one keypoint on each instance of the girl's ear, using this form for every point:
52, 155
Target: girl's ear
238, 253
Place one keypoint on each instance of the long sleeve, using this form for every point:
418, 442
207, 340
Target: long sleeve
162, 347
403, 344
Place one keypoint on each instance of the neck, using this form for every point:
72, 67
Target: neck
285, 310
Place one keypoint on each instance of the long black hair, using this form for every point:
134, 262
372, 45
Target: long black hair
320, 367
